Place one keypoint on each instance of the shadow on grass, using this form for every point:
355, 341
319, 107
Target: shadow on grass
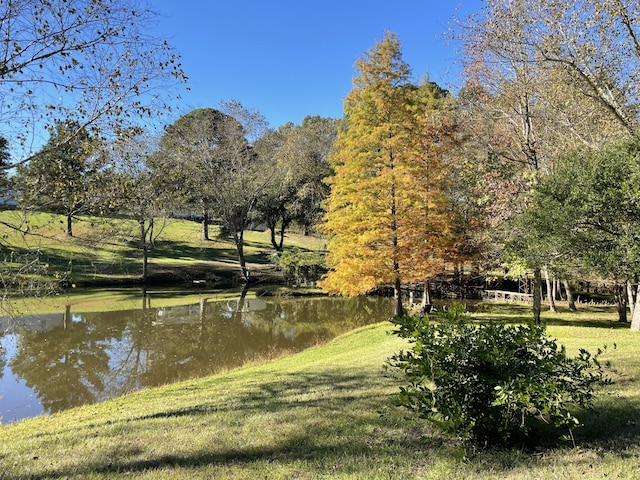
336, 422
586, 316
611, 428
327, 423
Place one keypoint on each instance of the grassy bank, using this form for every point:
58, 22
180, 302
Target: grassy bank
316, 414
106, 251
103, 256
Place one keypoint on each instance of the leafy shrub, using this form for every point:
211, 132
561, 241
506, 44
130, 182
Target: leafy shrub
299, 267
492, 383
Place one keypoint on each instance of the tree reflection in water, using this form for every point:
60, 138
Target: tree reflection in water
72, 359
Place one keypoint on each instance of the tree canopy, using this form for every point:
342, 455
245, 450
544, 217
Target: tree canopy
384, 214
206, 157
90, 62
587, 210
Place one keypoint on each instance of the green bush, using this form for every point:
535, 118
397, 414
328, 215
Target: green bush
491, 383
299, 267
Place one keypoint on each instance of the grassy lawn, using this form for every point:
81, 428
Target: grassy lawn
317, 414
103, 256
107, 251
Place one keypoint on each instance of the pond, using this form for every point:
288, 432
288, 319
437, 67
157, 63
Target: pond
53, 362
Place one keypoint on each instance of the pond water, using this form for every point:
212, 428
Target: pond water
57, 361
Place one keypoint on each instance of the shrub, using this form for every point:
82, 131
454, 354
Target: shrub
299, 267
492, 383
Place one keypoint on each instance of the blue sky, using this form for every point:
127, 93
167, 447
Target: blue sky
292, 58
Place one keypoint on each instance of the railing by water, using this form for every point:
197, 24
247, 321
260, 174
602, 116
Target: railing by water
506, 296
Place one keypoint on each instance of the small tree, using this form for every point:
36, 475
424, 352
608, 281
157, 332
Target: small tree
62, 177
135, 190
208, 157
297, 155
493, 383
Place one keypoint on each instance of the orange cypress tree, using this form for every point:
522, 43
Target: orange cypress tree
385, 216
429, 239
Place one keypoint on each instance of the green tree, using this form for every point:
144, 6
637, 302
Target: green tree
208, 157
136, 191
299, 159
543, 79
243, 175
188, 160
312, 144
382, 181
587, 208
62, 177
275, 207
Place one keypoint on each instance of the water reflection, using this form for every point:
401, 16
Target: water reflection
53, 362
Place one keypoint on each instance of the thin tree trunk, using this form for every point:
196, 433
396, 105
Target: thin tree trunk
66, 318
281, 243
426, 296
550, 299
69, 225
205, 224
272, 230
277, 244
238, 238
537, 296
145, 249
632, 297
398, 311
570, 300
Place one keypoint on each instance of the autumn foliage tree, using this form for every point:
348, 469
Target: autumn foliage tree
385, 213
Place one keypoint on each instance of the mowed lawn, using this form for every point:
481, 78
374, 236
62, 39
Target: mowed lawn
107, 252
326, 413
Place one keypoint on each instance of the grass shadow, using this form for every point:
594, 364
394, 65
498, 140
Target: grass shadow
323, 421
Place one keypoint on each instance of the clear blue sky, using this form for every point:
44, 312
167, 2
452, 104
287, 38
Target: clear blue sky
292, 58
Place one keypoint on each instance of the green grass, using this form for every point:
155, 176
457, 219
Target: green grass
106, 250
103, 256
316, 414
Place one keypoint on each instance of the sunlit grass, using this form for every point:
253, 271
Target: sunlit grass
317, 414
104, 253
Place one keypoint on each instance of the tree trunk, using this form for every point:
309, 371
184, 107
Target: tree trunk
66, 318
426, 296
69, 225
537, 296
621, 302
238, 238
550, 299
398, 311
632, 297
282, 227
570, 300
277, 244
272, 231
145, 250
205, 224
635, 320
